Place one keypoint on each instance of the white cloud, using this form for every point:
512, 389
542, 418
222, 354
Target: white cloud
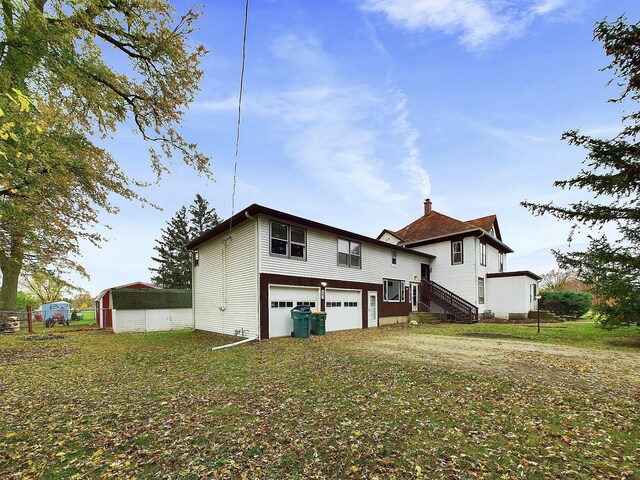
354, 139
477, 22
228, 104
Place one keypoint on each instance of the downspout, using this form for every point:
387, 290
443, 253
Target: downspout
240, 342
257, 271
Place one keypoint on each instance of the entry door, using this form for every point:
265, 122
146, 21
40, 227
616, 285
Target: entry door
372, 316
414, 296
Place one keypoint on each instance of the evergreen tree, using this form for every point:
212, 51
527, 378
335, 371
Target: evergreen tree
174, 270
611, 268
203, 218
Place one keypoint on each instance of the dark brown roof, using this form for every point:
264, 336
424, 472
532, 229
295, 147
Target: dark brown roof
436, 227
486, 223
433, 225
520, 273
256, 209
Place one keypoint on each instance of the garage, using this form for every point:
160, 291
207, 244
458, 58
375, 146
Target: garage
344, 309
282, 300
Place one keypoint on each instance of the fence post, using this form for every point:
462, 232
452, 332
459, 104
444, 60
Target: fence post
29, 319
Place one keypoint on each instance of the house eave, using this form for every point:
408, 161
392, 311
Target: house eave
256, 209
475, 232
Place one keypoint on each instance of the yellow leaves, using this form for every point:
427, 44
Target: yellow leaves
60, 454
97, 453
11, 435
353, 469
22, 100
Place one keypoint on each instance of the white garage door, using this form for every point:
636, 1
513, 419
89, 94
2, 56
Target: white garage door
282, 300
344, 309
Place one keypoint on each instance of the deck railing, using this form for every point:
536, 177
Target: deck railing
453, 304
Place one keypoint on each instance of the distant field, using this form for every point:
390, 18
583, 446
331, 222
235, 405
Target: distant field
386, 403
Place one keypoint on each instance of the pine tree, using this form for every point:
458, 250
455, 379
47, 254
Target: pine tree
611, 268
203, 218
174, 270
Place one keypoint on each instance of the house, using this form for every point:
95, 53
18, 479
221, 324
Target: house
252, 269
470, 260
103, 303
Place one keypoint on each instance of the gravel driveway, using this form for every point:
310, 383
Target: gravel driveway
614, 372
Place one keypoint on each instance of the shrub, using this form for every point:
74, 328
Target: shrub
566, 302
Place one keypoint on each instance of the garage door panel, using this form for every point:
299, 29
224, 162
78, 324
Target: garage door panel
282, 300
344, 309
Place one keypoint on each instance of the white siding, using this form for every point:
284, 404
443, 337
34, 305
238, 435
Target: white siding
507, 295
322, 260
460, 279
181, 318
226, 283
152, 320
129, 321
387, 237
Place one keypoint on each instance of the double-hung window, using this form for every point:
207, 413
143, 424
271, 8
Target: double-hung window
349, 254
457, 257
481, 290
483, 254
288, 241
501, 262
394, 258
392, 290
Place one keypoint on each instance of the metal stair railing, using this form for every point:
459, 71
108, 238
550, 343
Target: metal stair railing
453, 304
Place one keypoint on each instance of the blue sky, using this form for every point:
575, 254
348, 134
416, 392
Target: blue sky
354, 111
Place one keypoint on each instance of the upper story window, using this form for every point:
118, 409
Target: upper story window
492, 232
196, 258
349, 253
392, 290
288, 241
501, 262
483, 254
394, 258
457, 257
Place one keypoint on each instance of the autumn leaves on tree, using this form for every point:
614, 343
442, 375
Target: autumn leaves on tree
55, 181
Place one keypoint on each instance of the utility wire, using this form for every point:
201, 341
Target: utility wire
244, 58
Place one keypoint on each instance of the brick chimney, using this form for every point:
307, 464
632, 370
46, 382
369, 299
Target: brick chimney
427, 207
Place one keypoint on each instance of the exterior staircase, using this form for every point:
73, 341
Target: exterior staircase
454, 306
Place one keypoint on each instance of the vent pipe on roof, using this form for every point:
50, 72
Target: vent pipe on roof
427, 206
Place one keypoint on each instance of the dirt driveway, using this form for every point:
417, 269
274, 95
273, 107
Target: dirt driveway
615, 372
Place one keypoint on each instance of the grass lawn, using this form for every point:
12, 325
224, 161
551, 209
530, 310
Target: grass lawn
579, 334
98, 405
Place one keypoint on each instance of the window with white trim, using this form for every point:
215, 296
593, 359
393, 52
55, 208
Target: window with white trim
501, 262
481, 290
349, 253
392, 290
196, 258
288, 241
456, 253
394, 258
483, 254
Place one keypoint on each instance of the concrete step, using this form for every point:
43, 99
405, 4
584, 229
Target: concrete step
425, 317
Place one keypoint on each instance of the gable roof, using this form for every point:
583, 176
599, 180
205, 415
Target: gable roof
436, 227
256, 209
487, 223
127, 285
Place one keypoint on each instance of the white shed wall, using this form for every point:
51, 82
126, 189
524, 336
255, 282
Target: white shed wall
225, 283
507, 295
152, 320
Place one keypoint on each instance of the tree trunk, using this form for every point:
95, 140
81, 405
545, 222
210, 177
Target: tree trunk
10, 266
9, 290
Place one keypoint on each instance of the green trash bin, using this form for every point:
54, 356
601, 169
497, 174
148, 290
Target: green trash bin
318, 323
301, 316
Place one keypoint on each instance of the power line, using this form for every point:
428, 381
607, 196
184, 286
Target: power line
244, 58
